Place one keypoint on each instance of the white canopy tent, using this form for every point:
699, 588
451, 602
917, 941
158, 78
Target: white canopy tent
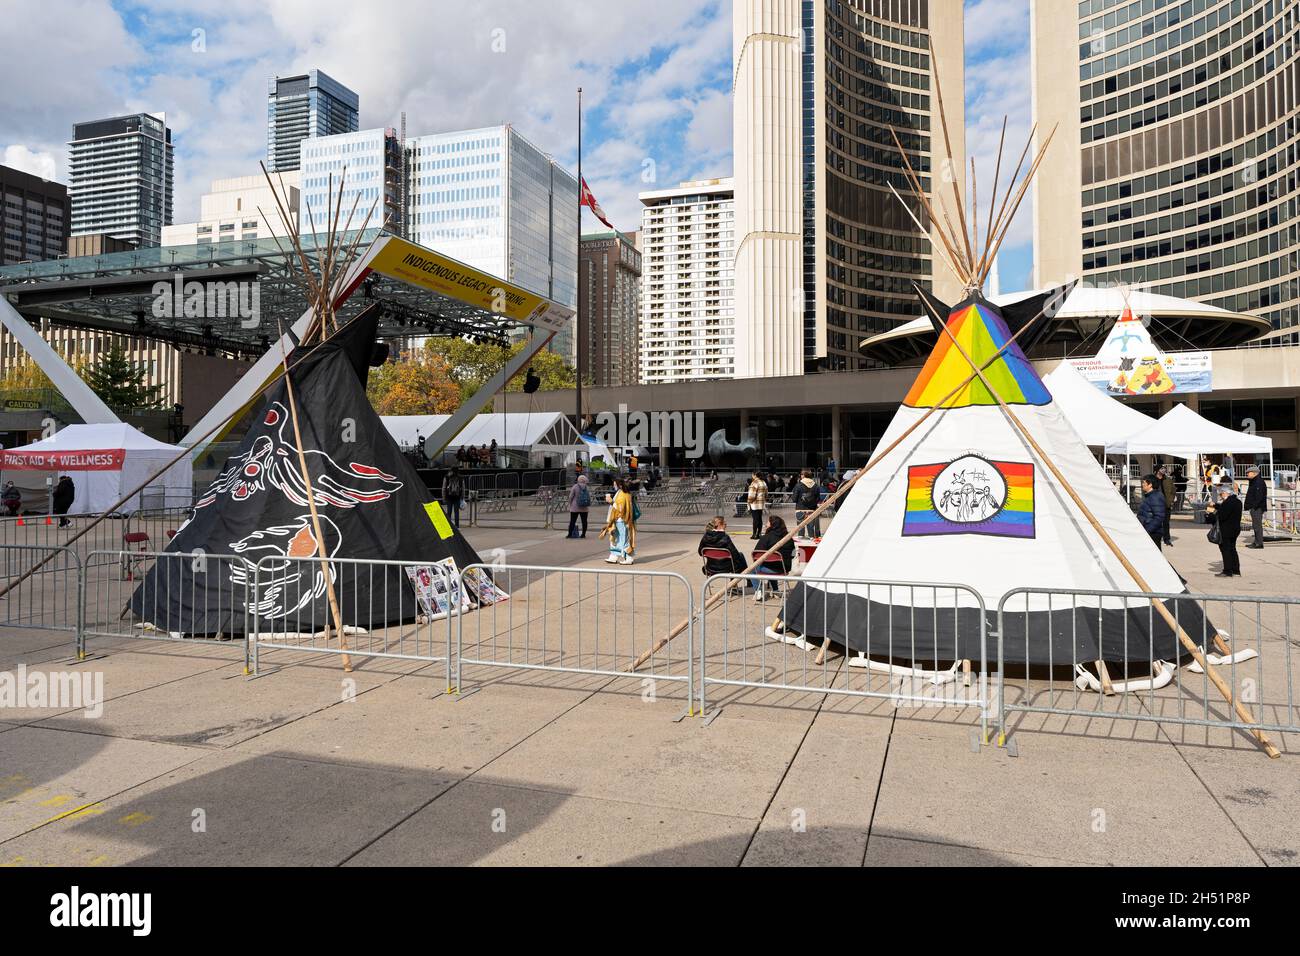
1098, 418
104, 461
539, 435
1182, 433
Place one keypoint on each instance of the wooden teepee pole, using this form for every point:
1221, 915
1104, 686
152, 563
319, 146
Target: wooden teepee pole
1188, 644
315, 517
840, 492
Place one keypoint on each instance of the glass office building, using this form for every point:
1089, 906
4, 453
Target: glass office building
495, 201
1175, 166
372, 160
302, 106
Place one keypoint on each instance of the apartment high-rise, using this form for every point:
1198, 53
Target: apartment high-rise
120, 177
307, 104
609, 268
825, 255
33, 217
1175, 163
687, 307
243, 207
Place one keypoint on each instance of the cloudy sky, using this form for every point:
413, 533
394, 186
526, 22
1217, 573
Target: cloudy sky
656, 78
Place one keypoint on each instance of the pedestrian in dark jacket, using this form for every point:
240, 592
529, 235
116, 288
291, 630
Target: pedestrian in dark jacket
1167, 489
1153, 512
65, 493
453, 493
12, 498
1256, 503
579, 503
807, 496
716, 539
1227, 517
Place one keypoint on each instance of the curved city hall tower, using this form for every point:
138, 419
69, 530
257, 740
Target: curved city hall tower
825, 257
1174, 166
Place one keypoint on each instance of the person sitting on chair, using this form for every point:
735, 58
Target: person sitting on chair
776, 530
716, 540
12, 498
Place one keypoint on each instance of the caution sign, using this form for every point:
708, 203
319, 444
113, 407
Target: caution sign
426, 269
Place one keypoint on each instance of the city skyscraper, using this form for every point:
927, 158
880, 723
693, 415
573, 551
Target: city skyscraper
825, 254
1174, 166
33, 217
307, 104
120, 176
373, 160
687, 305
609, 267
494, 200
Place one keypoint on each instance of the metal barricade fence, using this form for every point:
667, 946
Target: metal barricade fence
595, 621
186, 601
377, 601
50, 598
1050, 643
54, 531
912, 643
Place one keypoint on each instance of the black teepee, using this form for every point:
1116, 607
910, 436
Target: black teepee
368, 496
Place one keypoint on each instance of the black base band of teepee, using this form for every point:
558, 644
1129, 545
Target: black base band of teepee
932, 636
369, 498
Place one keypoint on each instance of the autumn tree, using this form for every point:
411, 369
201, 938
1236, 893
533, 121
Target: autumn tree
472, 364
415, 383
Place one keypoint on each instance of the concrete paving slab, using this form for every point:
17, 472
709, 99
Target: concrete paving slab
1072, 797
47, 774
893, 851
1260, 796
555, 827
254, 810
608, 750
403, 724
217, 708
821, 813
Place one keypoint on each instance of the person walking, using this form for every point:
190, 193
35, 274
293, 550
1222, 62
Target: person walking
579, 503
1180, 487
1229, 467
1153, 512
756, 498
1227, 528
1256, 503
65, 493
620, 525
453, 493
1166, 489
807, 496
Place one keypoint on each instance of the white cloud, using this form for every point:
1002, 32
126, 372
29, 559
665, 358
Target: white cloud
42, 164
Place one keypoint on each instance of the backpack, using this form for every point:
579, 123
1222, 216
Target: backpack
453, 488
809, 498
584, 497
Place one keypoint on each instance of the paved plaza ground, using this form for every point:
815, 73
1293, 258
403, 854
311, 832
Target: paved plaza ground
192, 762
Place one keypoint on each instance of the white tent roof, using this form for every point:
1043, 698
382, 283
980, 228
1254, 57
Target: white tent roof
1098, 418
1182, 433
507, 429
118, 435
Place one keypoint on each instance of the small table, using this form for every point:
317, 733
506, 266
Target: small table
807, 548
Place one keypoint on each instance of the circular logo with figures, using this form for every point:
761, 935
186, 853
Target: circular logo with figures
969, 490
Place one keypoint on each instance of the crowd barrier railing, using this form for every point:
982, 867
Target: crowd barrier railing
49, 599
593, 621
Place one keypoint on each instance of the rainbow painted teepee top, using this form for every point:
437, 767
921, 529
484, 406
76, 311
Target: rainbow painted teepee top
982, 331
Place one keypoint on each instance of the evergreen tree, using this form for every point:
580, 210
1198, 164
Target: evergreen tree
121, 383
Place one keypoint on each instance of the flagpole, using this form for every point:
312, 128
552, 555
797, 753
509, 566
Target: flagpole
578, 319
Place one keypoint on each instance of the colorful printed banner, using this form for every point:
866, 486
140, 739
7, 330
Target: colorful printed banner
83, 459
970, 495
1129, 363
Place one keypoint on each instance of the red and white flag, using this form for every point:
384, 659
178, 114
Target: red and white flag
589, 201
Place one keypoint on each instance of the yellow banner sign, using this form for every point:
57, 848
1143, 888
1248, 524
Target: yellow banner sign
426, 269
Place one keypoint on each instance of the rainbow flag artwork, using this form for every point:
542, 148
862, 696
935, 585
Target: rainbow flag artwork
982, 332
970, 495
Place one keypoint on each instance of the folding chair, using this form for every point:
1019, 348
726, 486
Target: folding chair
132, 564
